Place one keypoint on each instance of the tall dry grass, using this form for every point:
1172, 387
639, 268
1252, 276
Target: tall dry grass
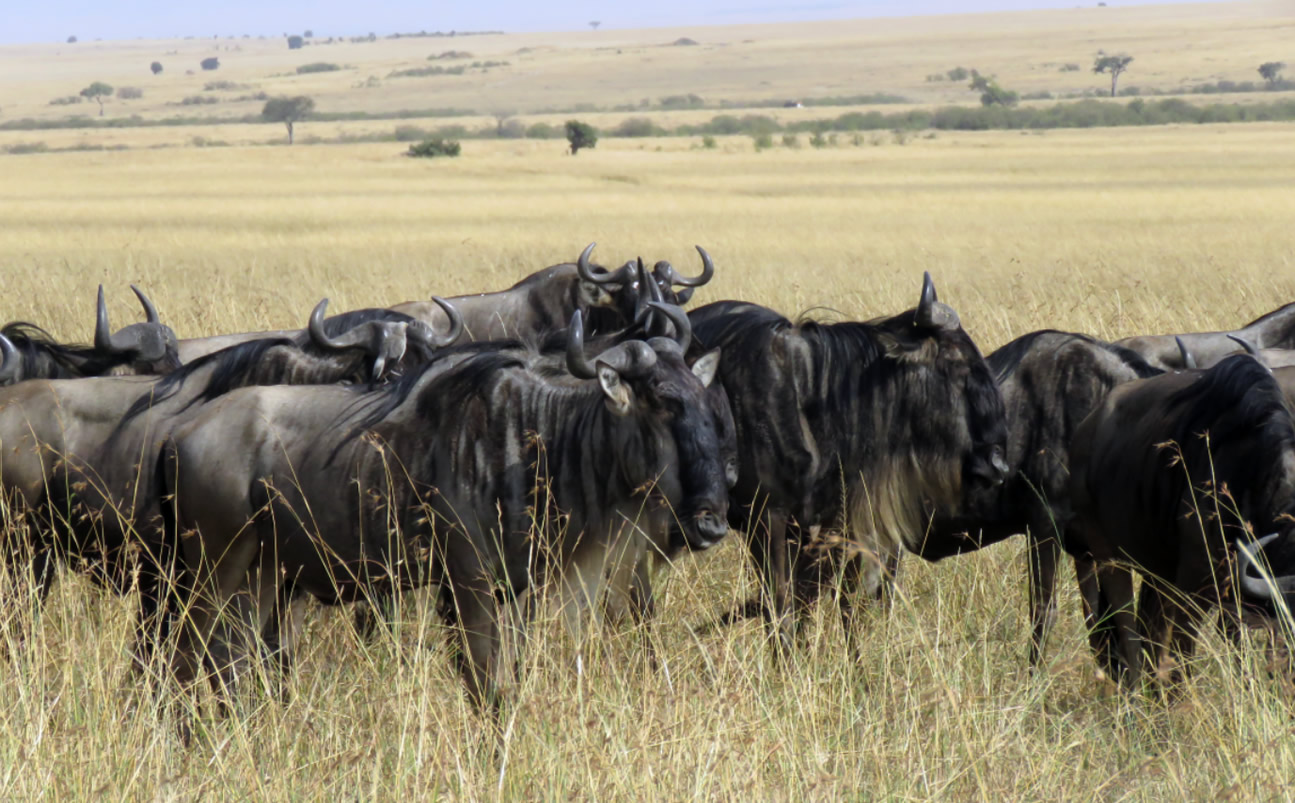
1109, 232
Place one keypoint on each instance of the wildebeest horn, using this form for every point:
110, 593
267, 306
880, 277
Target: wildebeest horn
631, 358
642, 312
102, 332
356, 337
620, 276
10, 362
931, 314
577, 363
1258, 586
150, 311
666, 272
682, 325
425, 335
1188, 360
1245, 344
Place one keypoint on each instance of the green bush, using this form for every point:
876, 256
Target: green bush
708, 142
26, 147
129, 92
762, 141
637, 127
790, 141
542, 131
199, 100
431, 148
318, 66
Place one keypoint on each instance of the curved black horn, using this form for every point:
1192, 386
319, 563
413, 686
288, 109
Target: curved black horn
642, 313
10, 361
931, 314
1245, 344
1188, 360
621, 275
707, 272
682, 325
424, 333
317, 333
102, 332
577, 363
150, 311
1259, 586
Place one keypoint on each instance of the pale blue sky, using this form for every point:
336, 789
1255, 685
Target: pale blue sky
55, 20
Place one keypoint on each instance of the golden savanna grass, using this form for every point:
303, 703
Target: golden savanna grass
1108, 232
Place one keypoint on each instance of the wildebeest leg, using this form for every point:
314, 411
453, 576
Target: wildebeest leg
848, 587
1097, 618
1153, 623
777, 567
1116, 583
1043, 553
470, 604
368, 614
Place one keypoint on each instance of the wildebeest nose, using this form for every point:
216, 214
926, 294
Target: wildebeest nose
711, 526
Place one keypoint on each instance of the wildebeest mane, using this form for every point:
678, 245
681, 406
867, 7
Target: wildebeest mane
1239, 403
1004, 361
482, 360
231, 368
68, 360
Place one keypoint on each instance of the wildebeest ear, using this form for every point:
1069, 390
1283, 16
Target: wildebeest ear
705, 367
616, 391
901, 349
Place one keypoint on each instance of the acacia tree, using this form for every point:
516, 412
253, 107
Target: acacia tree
156, 67
991, 94
580, 135
1115, 65
1272, 72
593, 24
97, 92
287, 111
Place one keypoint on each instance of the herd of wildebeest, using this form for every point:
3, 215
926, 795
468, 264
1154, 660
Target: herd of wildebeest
572, 434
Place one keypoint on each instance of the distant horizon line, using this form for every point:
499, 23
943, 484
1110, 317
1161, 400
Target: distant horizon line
1113, 5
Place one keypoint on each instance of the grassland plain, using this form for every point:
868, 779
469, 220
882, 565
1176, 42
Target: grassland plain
1175, 47
1111, 232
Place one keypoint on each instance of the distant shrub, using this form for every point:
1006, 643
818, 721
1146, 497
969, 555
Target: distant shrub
423, 72
129, 92
318, 66
790, 141
1043, 95
26, 147
636, 127
199, 100
156, 67
431, 148
71, 40
411, 133
450, 54
200, 141
818, 140
69, 100
1070, 67
689, 101
511, 129
762, 141
295, 42
708, 142
210, 63
542, 131
684, 41
958, 74
933, 77
223, 86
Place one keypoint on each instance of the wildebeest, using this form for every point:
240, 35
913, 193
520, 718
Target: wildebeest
387, 325
485, 480
80, 454
1274, 330
546, 300
1050, 382
866, 429
1167, 474
28, 352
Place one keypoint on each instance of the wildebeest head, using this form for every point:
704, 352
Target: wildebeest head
613, 299
652, 382
385, 340
150, 347
962, 416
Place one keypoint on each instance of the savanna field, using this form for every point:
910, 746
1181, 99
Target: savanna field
1112, 232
